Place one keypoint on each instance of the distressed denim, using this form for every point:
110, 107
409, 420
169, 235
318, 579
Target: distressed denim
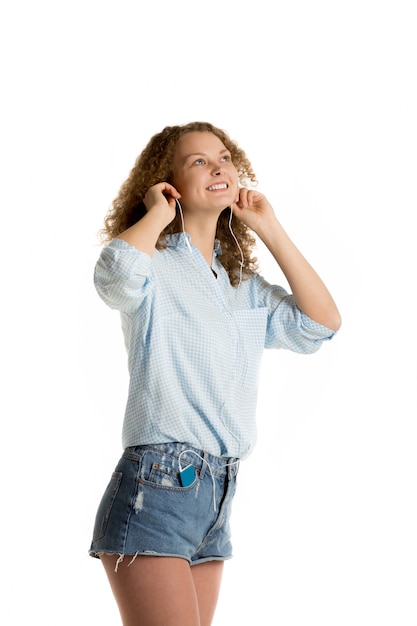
146, 510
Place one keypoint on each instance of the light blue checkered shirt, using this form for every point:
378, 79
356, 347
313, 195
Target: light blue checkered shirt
195, 344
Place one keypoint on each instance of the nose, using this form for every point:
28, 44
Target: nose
217, 170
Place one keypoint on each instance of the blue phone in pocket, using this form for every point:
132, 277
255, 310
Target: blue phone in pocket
187, 476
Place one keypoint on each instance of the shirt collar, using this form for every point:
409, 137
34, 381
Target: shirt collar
179, 240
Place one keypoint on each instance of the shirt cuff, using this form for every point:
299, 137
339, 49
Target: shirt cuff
314, 330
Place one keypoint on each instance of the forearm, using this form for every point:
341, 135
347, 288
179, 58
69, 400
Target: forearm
310, 293
160, 200
145, 233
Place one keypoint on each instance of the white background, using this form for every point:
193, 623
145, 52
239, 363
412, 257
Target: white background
322, 96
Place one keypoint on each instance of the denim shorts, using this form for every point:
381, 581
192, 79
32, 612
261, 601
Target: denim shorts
149, 509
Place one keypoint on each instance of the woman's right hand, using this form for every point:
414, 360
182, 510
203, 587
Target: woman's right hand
162, 198
160, 204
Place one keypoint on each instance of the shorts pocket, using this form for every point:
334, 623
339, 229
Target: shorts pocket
159, 470
105, 506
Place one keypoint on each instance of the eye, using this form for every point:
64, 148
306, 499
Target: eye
199, 162
226, 157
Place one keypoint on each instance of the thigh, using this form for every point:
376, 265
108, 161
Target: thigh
153, 591
207, 579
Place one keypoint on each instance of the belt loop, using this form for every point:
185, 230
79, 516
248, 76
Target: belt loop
204, 465
233, 467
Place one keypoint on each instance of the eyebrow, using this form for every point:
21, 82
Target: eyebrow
194, 154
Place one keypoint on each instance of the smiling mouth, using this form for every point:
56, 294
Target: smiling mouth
218, 187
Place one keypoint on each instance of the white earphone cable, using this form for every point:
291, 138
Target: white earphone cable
183, 226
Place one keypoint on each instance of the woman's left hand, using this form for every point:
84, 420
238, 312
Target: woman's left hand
253, 209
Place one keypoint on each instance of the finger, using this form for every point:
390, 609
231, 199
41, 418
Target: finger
168, 189
253, 196
243, 195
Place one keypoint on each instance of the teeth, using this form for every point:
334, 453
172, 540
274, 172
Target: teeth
219, 186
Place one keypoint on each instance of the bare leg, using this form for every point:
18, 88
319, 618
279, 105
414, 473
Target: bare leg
163, 591
207, 578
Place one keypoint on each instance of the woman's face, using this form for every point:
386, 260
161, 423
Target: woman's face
203, 172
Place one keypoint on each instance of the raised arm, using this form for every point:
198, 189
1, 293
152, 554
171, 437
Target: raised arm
160, 205
310, 293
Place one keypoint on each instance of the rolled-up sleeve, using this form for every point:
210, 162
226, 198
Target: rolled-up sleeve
122, 275
292, 329
288, 327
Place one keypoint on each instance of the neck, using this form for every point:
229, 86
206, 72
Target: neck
202, 233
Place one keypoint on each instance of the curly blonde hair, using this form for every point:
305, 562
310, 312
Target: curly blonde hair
154, 165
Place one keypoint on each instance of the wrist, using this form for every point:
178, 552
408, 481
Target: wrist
269, 230
161, 215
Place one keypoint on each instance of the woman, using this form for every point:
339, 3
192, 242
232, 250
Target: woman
196, 318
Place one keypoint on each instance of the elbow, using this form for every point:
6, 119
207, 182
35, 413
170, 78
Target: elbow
330, 319
335, 321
